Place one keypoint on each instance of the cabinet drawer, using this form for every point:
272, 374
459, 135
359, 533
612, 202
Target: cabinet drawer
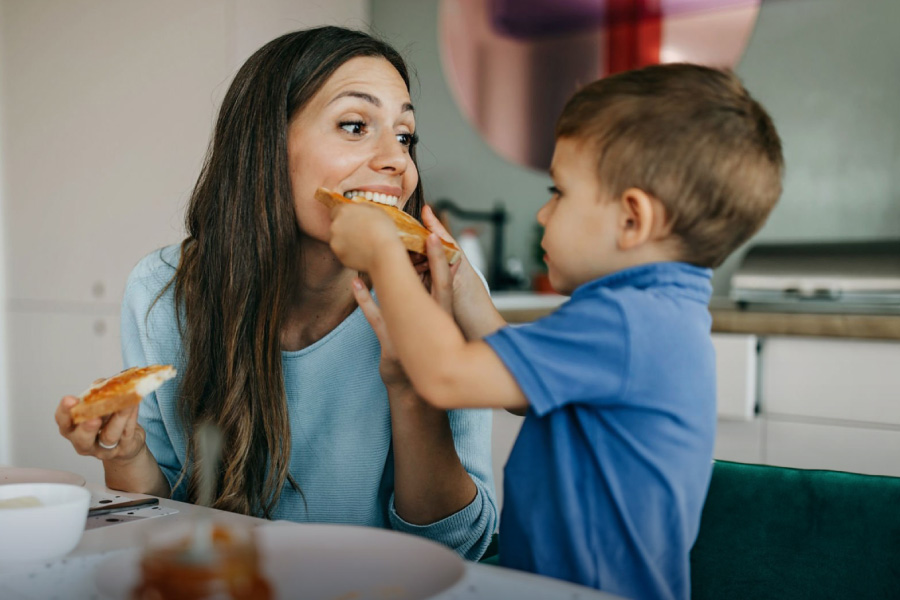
850, 380
55, 354
735, 375
869, 450
739, 441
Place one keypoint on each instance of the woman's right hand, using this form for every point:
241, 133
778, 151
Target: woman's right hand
120, 433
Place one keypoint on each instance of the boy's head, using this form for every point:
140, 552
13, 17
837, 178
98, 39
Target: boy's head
687, 140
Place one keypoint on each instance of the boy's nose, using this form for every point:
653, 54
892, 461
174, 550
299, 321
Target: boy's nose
542, 214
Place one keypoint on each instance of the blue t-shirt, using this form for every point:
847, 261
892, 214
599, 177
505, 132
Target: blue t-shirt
607, 479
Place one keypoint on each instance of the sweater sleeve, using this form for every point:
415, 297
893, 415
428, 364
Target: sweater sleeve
469, 530
138, 349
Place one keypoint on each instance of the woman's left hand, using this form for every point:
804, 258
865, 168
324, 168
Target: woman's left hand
437, 276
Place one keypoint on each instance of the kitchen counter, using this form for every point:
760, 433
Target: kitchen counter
727, 318
522, 307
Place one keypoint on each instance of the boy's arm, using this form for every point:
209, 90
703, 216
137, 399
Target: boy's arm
472, 305
447, 371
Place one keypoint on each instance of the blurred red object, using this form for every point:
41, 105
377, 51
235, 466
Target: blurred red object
540, 283
633, 40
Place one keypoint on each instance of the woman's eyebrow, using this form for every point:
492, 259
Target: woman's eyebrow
407, 107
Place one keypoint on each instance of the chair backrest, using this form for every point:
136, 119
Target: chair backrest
772, 532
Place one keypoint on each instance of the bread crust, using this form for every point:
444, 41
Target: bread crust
412, 233
120, 391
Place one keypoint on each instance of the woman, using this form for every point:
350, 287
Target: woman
320, 422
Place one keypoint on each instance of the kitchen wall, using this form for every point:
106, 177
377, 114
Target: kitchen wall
5, 425
825, 69
454, 162
106, 107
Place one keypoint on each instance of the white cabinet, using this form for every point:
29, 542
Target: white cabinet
740, 441
847, 380
55, 355
823, 403
739, 431
832, 403
735, 375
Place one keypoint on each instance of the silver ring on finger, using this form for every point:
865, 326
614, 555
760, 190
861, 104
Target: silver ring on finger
105, 446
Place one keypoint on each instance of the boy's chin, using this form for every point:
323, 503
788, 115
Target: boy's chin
560, 286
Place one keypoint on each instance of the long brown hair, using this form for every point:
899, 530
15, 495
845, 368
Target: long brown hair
240, 258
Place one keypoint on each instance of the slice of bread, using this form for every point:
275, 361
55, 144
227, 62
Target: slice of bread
121, 391
412, 233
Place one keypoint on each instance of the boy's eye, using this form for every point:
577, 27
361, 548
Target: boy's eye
408, 139
353, 127
554, 191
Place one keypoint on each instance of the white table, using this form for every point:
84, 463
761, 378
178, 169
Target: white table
72, 578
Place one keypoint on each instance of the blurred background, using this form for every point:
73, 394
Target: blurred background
106, 107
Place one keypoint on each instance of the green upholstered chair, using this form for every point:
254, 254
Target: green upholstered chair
771, 532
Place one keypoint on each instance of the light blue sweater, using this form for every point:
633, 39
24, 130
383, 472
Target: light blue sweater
341, 453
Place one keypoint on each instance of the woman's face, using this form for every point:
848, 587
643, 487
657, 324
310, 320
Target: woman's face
354, 135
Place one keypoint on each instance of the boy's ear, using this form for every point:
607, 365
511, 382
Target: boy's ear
642, 218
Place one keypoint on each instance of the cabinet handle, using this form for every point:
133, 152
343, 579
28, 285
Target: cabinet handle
99, 327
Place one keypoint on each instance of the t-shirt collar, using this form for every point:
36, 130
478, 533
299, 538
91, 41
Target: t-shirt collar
691, 280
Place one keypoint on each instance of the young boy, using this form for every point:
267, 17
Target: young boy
659, 174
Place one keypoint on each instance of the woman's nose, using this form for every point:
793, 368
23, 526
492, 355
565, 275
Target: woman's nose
390, 154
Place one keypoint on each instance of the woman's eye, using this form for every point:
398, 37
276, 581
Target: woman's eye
353, 127
408, 139
554, 191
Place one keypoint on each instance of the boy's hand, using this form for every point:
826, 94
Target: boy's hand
437, 276
472, 307
462, 266
358, 233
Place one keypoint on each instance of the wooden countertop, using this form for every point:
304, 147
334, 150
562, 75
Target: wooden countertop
860, 326
728, 318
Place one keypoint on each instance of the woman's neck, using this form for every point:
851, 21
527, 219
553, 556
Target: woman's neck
322, 298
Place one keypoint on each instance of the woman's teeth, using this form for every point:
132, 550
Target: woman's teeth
374, 197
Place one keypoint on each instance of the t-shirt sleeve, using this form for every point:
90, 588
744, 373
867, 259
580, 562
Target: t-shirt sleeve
578, 354
137, 351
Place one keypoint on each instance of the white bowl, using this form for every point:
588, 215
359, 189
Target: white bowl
42, 532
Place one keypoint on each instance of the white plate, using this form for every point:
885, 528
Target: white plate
23, 475
319, 562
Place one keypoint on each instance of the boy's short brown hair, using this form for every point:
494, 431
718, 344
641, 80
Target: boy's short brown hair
690, 136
